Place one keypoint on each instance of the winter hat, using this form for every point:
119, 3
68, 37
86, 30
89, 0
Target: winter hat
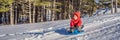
77, 14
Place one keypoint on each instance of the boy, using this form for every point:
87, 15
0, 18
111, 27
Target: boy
76, 22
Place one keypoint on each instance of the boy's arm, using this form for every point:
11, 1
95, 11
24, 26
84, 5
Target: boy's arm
79, 23
71, 24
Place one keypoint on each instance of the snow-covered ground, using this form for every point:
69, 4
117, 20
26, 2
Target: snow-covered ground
103, 27
108, 11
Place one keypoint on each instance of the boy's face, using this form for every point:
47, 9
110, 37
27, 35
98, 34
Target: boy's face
75, 17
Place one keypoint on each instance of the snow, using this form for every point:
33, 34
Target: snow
103, 27
108, 11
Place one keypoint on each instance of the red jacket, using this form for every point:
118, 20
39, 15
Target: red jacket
77, 22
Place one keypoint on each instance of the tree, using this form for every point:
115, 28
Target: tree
90, 6
31, 11
5, 6
48, 5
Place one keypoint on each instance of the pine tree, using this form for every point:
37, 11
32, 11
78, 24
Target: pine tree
5, 6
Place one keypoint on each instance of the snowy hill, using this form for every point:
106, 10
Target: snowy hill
103, 11
104, 27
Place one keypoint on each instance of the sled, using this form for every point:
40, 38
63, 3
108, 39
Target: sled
75, 32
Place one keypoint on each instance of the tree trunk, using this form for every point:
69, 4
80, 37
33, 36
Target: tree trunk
44, 13
53, 12
41, 13
11, 15
38, 14
3, 18
16, 14
69, 11
23, 13
34, 9
115, 6
7, 18
30, 17
111, 6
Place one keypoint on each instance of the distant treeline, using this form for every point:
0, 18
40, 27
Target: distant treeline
34, 11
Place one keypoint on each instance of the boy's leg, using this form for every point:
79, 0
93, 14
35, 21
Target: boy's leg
71, 29
80, 28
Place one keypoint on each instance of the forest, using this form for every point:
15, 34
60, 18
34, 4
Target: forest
34, 11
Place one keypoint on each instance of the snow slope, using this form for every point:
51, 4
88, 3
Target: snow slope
104, 27
101, 11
